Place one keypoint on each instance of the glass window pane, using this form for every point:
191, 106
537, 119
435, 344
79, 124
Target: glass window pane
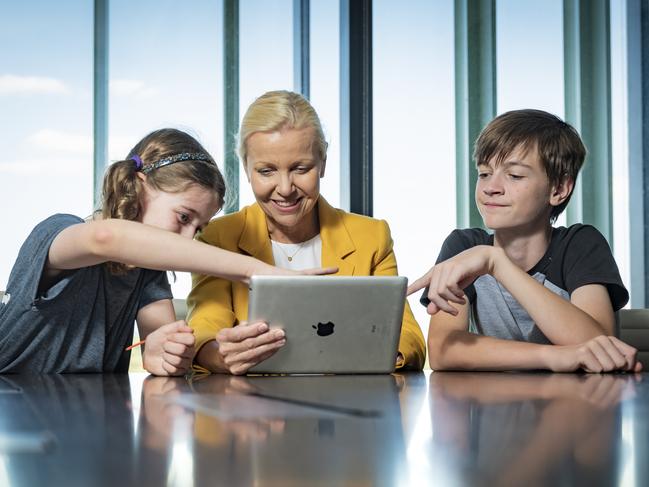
265, 58
163, 74
529, 43
620, 144
414, 131
46, 117
325, 87
529, 55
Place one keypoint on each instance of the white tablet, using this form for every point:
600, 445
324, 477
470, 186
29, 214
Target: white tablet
333, 324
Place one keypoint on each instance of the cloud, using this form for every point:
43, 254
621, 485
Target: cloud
55, 140
12, 84
131, 87
44, 167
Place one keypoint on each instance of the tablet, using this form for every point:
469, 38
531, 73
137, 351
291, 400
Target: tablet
333, 324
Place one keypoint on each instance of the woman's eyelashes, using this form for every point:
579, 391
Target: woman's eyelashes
298, 168
265, 171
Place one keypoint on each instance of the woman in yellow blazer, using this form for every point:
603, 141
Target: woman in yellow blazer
283, 151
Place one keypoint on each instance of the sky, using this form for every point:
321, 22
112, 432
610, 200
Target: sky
165, 69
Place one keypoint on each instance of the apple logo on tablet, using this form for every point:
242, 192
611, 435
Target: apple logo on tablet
324, 329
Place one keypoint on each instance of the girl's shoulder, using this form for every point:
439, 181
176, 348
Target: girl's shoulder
53, 224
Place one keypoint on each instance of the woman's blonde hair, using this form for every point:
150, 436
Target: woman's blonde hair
123, 190
276, 110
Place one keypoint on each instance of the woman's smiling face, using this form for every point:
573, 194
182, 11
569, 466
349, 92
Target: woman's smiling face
285, 173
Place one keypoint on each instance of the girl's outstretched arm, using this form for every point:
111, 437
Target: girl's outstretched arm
136, 244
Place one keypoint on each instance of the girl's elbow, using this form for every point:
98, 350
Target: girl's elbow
103, 239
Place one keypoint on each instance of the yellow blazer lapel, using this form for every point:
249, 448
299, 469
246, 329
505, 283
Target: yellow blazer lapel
337, 246
254, 239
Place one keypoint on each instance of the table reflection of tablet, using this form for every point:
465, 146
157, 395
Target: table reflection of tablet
333, 324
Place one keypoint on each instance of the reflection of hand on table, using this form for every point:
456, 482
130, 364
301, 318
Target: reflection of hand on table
160, 412
215, 431
575, 419
577, 424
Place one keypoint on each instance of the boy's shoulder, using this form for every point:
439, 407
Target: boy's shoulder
580, 255
471, 236
462, 239
576, 230
577, 238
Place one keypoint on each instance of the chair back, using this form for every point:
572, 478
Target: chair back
634, 330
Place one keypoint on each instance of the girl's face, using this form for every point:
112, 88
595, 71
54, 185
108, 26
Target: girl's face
184, 213
285, 177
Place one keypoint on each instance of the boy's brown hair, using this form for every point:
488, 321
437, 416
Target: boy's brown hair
559, 146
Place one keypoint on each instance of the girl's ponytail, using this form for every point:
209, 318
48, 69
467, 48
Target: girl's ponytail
121, 191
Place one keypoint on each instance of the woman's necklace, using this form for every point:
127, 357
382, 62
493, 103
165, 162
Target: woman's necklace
290, 257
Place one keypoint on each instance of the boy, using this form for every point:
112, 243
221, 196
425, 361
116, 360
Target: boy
535, 297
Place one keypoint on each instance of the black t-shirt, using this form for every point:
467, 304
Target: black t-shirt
577, 256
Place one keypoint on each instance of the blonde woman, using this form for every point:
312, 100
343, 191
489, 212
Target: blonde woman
284, 153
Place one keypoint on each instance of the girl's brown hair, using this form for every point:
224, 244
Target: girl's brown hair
123, 190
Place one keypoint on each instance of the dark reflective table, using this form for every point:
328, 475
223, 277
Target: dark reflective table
411, 429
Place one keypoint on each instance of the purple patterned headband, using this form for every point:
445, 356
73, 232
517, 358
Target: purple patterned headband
184, 156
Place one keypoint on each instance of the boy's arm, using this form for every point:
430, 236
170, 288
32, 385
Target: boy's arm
582, 347
588, 314
549, 311
452, 347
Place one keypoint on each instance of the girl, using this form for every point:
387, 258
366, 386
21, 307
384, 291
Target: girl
77, 287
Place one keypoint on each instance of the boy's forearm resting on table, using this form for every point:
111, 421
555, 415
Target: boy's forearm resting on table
452, 349
145, 246
561, 321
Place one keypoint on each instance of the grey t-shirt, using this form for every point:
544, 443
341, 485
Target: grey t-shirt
82, 323
576, 256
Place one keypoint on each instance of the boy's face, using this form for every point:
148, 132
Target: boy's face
515, 193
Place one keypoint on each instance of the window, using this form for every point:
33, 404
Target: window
46, 117
164, 74
414, 131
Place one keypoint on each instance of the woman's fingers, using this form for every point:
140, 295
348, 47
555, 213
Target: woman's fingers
241, 332
242, 349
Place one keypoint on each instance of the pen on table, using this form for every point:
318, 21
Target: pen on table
141, 342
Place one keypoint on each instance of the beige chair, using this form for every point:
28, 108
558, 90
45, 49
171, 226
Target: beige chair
180, 307
634, 330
